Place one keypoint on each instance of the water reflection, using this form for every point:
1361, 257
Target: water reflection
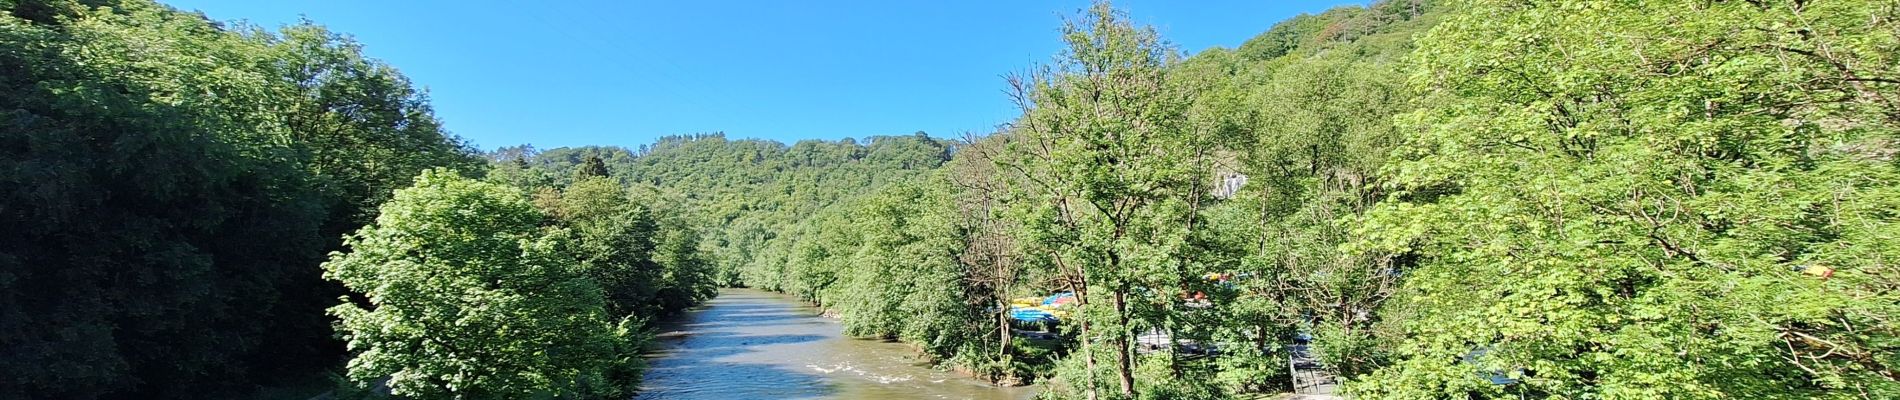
748, 344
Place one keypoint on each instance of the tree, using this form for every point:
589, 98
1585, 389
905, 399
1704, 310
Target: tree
360, 130
464, 296
591, 167
156, 230
1111, 182
1647, 200
614, 243
990, 257
687, 276
1310, 137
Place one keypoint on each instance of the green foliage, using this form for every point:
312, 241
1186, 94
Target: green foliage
169, 188
687, 275
853, 226
1599, 200
902, 280
1174, 378
648, 264
465, 296
363, 129
1113, 202
1616, 200
591, 167
746, 192
1310, 133
614, 242
1113, 178
1362, 31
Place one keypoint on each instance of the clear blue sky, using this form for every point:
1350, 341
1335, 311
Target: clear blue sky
568, 73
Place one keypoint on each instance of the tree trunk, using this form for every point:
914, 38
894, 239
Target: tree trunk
1124, 368
1002, 324
1088, 353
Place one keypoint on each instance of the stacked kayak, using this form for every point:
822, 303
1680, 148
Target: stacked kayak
1034, 314
1059, 299
1041, 309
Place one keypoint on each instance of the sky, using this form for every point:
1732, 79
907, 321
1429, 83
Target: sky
572, 73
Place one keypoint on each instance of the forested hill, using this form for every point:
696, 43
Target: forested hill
748, 191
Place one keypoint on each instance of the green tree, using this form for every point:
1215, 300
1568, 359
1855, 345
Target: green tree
363, 130
993, 271
687, 275
1111, 183
155, 231
591, 167
1310, 136
1619, 201
614, 242
464, 296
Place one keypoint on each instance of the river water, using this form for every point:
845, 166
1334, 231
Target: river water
753, 345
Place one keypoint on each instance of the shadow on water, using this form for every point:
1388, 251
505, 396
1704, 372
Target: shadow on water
748, 344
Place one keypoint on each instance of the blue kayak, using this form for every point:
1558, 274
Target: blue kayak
1031, 315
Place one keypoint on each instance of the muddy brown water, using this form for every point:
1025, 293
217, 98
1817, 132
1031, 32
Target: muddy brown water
750, 345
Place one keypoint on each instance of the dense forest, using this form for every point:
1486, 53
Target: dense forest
1443, 199
172, 186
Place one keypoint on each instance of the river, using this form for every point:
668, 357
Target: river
754, 345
